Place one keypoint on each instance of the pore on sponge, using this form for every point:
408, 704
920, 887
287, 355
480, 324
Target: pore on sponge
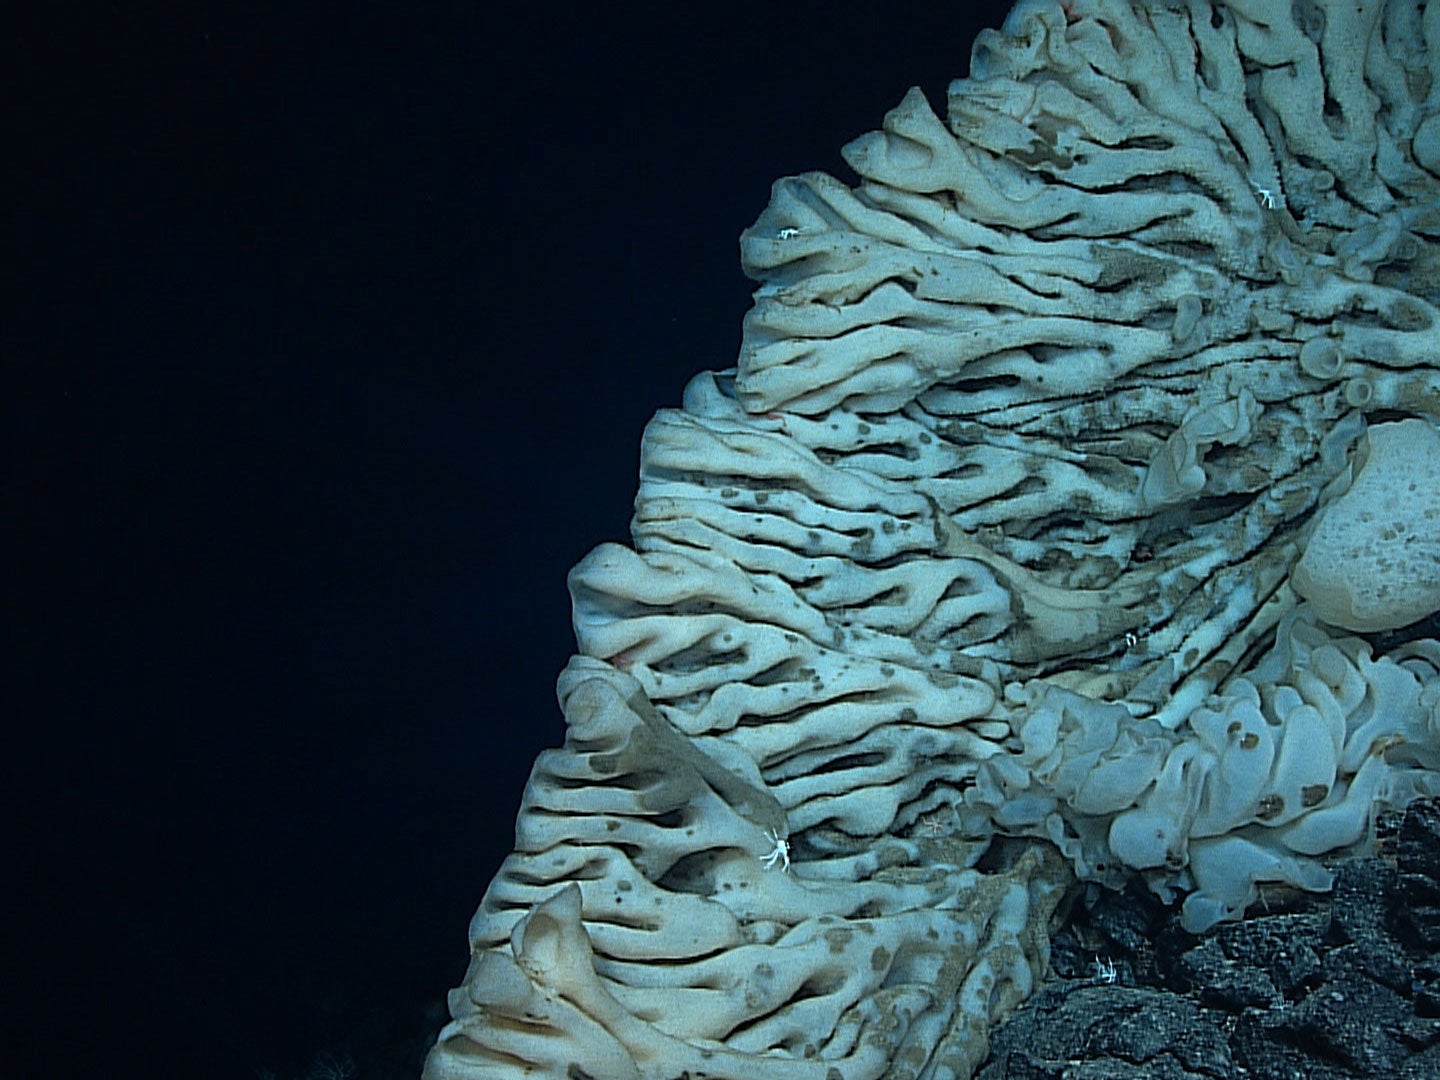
1373, 559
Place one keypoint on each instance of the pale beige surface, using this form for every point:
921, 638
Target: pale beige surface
990, 534
1373, 561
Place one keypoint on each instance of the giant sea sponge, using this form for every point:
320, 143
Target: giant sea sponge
973, 577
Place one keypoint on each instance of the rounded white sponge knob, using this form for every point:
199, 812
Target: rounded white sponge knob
1373, 560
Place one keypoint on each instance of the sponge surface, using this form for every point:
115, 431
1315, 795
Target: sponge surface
1373, 562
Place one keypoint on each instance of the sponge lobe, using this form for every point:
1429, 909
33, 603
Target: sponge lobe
1373, 561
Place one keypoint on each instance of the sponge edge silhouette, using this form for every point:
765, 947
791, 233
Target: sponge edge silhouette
1373, 560
974, 575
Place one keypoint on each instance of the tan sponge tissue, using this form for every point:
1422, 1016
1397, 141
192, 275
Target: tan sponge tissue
974, 575
1373, 561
